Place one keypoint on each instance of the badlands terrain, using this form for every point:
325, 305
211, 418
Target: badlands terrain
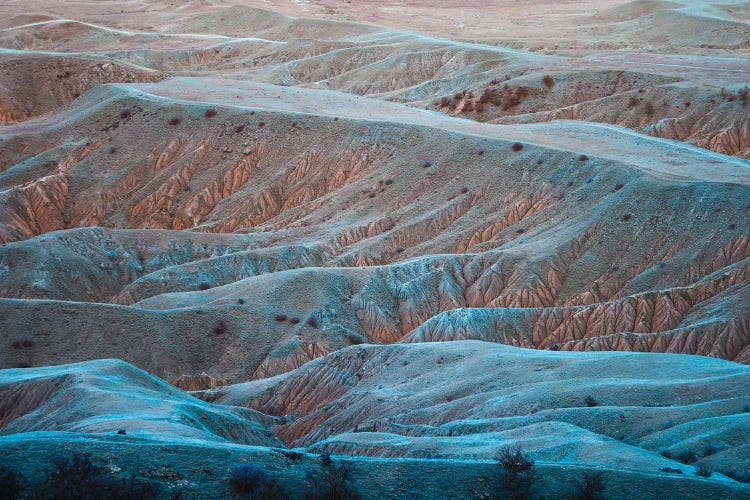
239, 236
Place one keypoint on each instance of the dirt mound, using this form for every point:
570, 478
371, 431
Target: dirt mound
109, 396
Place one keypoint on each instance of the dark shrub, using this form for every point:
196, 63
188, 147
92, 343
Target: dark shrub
464, 190
554, 347
332, 482
292, 455
520, 230
204, 286
702, 471
175, 120
517, 146
687, 457
516, 472
618, 187
9, 487
583, 158
112, 150
400, 249
590, 402
294, 320
732, 227
388, 182
670, 470
648, 108
220, 328
325, 459
239, 128
125, 113
590, 487
77, 477
548, 81
240, 301
280, 317
261, 124
480, 152
425, 164
311, 321
209, 113
249, 479
626, 217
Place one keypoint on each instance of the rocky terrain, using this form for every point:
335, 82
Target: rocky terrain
389, 241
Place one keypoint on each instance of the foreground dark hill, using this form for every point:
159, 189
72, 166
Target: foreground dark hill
646, 422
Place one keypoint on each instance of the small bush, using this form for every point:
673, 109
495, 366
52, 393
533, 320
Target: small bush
220, 327
332, 482
311, 321
626, 217
648, 108
125, 113
687, 457
204, 286
294, 320
175, 120
239, 128
400, 249
240, 301
516, 472
670, 470
618, 187
703, 471
78, 477
209, 113
292, 455
280, 317
517, 146
425, 164
9, 487
590, 402
548, 81
388, 182
249, 479
112, 150
583, 158
591, 487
